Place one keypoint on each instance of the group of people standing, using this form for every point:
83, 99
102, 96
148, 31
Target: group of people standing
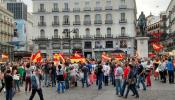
125, 75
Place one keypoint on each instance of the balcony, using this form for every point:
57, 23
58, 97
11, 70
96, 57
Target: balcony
108, 36
76, 23
108, 8
97, 8
108, 21
87, 22
41, 10
123, 21
98, 36
66, 9
87, 9
41, 23
87, 36
55, 24
76, 9
66, 23
98, 22
55, 10
122, 6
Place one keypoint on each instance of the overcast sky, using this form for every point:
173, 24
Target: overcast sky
147, 6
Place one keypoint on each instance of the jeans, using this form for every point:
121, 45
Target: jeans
141, 79
53, 80
171, 76
9, 94
85, 80
67, 84
123, 86
118, 86
40, 93
28, 83
132, 87
61, 84
46, 79
16, 85
100, 79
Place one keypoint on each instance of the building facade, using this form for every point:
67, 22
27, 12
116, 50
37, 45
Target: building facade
6, 33
88, 26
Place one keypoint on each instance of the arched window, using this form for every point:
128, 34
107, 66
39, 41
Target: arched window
42, 33
77, 33
56, 33
98, 32
108, 31
87, 32
123, 31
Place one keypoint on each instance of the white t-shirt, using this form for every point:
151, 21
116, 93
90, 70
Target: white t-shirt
106, 69
118, 73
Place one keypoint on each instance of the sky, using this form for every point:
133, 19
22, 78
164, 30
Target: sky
147, 6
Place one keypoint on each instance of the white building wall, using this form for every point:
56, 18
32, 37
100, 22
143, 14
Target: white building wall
130, 13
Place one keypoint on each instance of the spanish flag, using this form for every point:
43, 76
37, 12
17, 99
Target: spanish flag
36, 57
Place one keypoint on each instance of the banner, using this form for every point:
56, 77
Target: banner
105, 57
157, 47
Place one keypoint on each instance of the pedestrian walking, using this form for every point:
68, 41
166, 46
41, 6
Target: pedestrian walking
9, 85
36, 78
60, 79
170, 68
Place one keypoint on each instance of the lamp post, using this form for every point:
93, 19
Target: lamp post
67, 32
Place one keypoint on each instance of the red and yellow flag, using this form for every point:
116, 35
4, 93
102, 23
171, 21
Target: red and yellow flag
157, 47
36, 57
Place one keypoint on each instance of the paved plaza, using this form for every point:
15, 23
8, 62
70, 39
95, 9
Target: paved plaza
158, 91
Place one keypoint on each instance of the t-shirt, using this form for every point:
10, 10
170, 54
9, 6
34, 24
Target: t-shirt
8, 81
60, 76
118, 73
140, 70
126, 72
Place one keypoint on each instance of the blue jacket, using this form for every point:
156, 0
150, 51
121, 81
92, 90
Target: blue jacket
170, 66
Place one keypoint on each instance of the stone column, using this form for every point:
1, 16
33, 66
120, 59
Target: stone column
142, 47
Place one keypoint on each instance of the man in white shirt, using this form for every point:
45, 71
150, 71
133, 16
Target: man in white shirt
106, 69
118, 77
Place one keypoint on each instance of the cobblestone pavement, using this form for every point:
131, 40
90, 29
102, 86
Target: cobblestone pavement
158, 91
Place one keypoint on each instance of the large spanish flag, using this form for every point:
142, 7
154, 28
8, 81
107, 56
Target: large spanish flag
57, 57
77, 58
119, 57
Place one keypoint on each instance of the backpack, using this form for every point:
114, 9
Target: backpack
34, 82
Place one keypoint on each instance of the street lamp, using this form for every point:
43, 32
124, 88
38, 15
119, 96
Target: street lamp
67, 32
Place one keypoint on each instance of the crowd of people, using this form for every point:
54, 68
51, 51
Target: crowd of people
124, 75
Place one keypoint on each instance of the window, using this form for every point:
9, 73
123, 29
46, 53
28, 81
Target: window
98, 44
77, 33
108, 3
98, 32
77, 18
109, 44
122, 16
76, 4
108, 17
66, 19
108, 31
87, 32
87, 45
87, 3
56, 19
66, 6
41, 18
123, 31
41, 7
97, 3
42, 33
56, 33
55, 7
122, 1
98, 17
87, 18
